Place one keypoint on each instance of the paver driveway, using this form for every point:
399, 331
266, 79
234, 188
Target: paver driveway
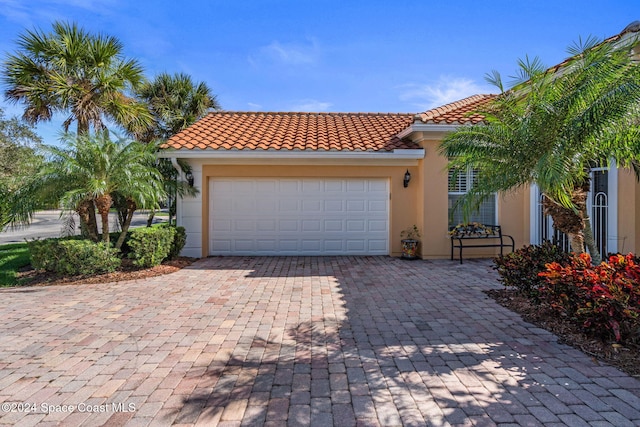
296, 341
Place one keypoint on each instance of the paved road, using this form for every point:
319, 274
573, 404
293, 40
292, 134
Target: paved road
49, 224
296, 341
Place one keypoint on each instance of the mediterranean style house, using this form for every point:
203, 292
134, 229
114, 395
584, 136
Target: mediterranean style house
287, 183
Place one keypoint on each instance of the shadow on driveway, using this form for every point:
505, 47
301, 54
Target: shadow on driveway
380, 341
297, 341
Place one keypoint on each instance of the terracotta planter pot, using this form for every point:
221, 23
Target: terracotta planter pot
410, 249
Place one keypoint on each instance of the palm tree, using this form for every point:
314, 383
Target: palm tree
551, 128
92, 168
175, 102
73, 72
82, 75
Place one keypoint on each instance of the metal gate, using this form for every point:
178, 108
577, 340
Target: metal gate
597, 205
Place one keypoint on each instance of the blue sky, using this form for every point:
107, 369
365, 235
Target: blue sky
333, 55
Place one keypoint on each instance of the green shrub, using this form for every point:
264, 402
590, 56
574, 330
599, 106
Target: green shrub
520, 269
179, 240
150, 245
604, 299
71, 256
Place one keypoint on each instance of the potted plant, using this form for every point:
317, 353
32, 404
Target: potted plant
410, 242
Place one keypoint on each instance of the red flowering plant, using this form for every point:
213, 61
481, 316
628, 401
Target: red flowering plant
605, 298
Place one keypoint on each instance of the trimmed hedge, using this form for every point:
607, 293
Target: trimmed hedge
151, 245
71, 256
179, 240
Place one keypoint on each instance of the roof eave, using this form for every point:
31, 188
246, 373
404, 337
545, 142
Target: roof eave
397, 154
431, 127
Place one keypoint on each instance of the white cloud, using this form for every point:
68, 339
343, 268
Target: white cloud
447, 89
287, 53
309, 105
25, 13
254, 107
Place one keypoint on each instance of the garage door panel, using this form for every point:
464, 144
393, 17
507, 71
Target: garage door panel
244, 225
356, 245
311, 225
334, 225
377, 225
333, 246
334, 186
312, 186
244, 205
288, 246
333, 206
221, 245
355, 225
312, 206
288, 216
288, 225
266, 245
243, 186
266, 225
266, 205
377, 245
267, 186
311, 245
378, 206
378, 185
288, 205
358, 186
222, 224
288, 186
356, 205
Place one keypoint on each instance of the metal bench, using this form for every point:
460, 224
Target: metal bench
476, 235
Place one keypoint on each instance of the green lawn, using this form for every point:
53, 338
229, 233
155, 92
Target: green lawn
12, 257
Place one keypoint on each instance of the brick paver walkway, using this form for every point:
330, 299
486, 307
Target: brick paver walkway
337, 341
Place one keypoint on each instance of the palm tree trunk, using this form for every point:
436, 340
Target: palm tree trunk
577, 242
125, 228
590, 242
84, 210
131, 208
103, 203
152, 214
92, 224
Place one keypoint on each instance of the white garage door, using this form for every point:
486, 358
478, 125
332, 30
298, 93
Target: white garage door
299, 216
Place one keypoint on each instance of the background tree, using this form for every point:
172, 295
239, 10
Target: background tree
19, 160
551, 128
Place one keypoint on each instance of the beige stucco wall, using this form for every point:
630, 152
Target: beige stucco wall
423, 203
628, 205
513, 208
403, 203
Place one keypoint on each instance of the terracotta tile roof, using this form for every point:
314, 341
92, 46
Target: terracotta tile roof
295, 131
458, 112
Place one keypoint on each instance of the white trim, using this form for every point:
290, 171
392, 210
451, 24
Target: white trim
612, 213
408, 154
534, 221
431, 127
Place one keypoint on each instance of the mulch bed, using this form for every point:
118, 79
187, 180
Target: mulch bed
626, 358
127, 271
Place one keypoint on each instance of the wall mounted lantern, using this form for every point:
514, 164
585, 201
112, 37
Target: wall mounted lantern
407, 178
189, 177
